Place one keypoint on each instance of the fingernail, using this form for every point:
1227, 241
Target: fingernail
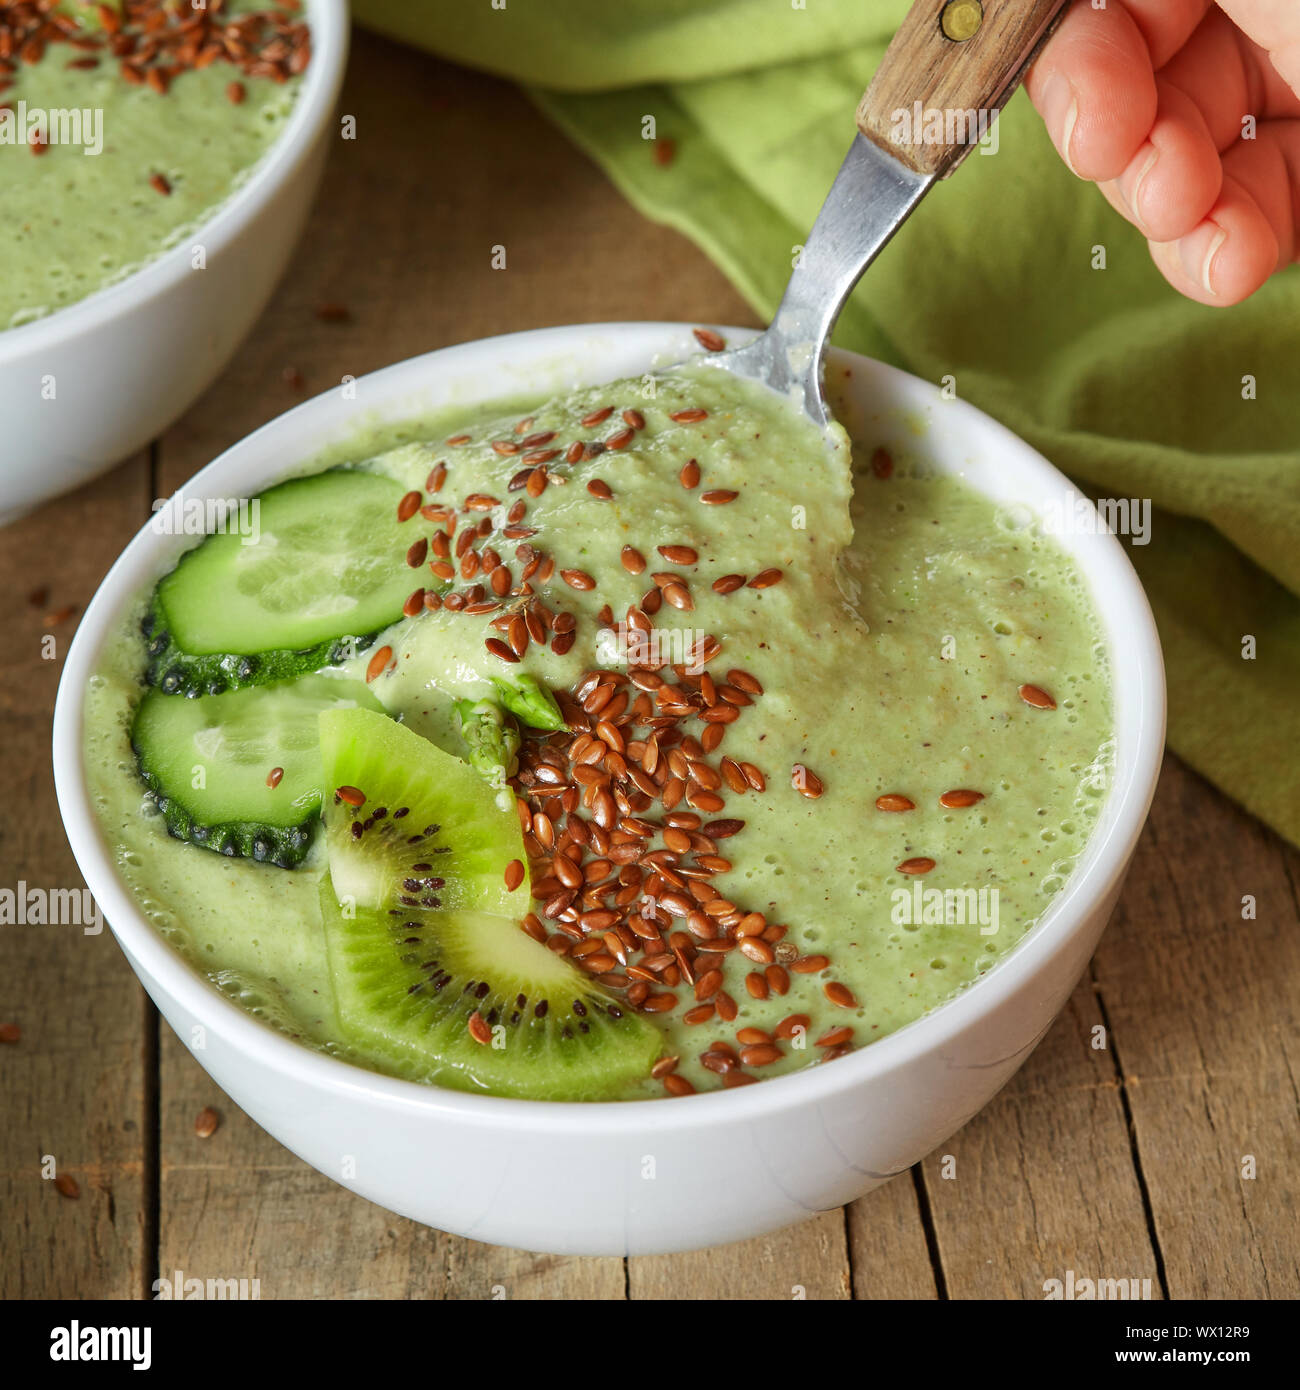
1197, 252
1060, 108
1133, 193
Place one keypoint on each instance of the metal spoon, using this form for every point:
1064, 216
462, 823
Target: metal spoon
960, 58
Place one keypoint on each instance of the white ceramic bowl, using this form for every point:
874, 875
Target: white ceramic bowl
130, 358
729, 1164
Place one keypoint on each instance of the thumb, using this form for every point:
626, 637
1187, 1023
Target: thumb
1275, 26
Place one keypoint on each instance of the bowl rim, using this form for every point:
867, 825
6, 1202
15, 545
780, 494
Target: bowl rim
1101, 866
317, 94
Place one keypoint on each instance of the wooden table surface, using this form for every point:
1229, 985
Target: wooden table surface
1128, 1160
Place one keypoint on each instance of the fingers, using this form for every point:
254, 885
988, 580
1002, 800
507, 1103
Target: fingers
1174, 180
1095, 89
1268, 168
1166, 25
1225, 259
1228, 78
1275, 26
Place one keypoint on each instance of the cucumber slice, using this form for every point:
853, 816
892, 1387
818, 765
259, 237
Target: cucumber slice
328, 562
177, 672
228, 745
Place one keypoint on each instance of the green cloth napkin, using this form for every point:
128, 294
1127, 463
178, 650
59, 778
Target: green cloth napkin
1131, 389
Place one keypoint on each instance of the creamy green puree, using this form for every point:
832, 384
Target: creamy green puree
909, 613
80, 216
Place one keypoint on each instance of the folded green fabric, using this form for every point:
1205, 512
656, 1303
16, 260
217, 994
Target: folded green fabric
1131, 389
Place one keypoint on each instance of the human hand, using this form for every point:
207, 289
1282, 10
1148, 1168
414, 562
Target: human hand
1150, 99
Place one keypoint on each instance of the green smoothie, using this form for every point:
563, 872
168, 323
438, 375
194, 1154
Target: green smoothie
122, 131
914, 754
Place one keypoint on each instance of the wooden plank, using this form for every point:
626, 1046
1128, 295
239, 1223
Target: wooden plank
238, 1205
887, 1245
402, 237
1205, 1015
75, 1086
808, 1261
1042, 1181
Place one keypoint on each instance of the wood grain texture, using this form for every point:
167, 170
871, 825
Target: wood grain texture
809, 1261
1204, 1007
75, 1087
1049, 1159
925, 70
887, 1243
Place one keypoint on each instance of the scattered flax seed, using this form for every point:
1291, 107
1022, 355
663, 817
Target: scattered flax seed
408, 506
679, 554
478, 1029
840, 994
417, 553
709, 340
919, 865
895, 801
601, 489
665, 151
10, 1033
1039, 699
414, 603
809, 965
273, 777
499, 649
37, 598
206, 1122
960, 797
597, 417
805, 781
764, 579
882, 464
633, 560
718, 496
621, 439
378, 663
690, 475
777, 977
60, 615
691, 416
67, 1186
728, 583
235, 93
678, 1085
664, 1067
633, 419
514, 875
351, 796
578, 579
457, 439
159, 184
836, 1037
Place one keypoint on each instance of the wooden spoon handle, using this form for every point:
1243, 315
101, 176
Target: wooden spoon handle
950, 69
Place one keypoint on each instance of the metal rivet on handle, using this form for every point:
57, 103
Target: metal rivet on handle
961, 19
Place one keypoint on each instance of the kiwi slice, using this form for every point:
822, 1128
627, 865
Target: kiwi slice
426, 833
432, 976
417, 990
